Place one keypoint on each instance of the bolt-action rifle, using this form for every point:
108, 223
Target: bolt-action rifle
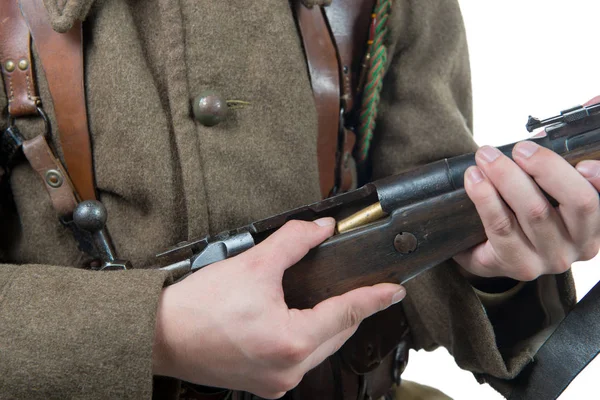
405, 224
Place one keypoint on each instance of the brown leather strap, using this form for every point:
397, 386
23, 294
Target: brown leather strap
62, 60
56, 181
15, 56
324, 76
349, 22
347, 164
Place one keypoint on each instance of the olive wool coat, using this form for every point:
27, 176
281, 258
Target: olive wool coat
67, 332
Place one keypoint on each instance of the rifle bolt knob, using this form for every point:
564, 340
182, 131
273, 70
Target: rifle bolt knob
405, 243
90, 216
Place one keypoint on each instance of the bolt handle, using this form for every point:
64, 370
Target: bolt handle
90, 216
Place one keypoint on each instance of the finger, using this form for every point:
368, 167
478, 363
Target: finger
482, 260
593, 101
540, 133
590, 169
339, 313
579, 205
501, 227
537, 218
290, 243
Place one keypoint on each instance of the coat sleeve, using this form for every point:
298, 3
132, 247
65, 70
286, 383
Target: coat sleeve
425, 115
66, 332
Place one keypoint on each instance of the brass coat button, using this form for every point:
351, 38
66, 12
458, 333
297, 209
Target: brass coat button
210, 108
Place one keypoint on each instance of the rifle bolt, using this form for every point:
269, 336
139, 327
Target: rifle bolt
405, 243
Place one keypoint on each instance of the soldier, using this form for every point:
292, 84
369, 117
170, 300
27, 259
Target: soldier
167, 173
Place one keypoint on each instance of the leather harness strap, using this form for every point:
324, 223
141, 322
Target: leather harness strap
61, 55
323, 68
334, 41
15, 55
572, 346
50, 170
349, 23
16, 62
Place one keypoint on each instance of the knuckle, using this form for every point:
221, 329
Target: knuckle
491, 261
294, 351
589, 250
539, 212
297, 227
350, 318
588, 204
285, 382
560, 265
527, 274
383, 302
271, 395
502, 226
484, 194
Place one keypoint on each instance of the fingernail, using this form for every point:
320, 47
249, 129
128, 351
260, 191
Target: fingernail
589, 169
488, 153
475, 175
398, 296
526, 149
325, 221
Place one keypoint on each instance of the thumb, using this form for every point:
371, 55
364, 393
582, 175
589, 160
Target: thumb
339, 313
593, 101
291, 242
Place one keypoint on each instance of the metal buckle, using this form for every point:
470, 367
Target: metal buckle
42, 114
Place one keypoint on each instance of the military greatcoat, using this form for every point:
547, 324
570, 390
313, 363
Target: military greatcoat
164, 177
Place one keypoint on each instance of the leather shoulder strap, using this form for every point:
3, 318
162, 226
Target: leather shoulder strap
16, 61
572, 346
324, 76
61, 55
349, 21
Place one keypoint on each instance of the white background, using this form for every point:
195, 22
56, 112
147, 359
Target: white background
528, 57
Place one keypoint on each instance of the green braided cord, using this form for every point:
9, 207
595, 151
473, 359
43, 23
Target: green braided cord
374, 82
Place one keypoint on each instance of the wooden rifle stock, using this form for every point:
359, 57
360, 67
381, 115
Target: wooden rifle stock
442, 226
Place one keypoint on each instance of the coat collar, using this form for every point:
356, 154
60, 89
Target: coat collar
311, 3
63, 13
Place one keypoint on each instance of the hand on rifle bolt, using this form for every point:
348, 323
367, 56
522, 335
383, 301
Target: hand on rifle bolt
228, 325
